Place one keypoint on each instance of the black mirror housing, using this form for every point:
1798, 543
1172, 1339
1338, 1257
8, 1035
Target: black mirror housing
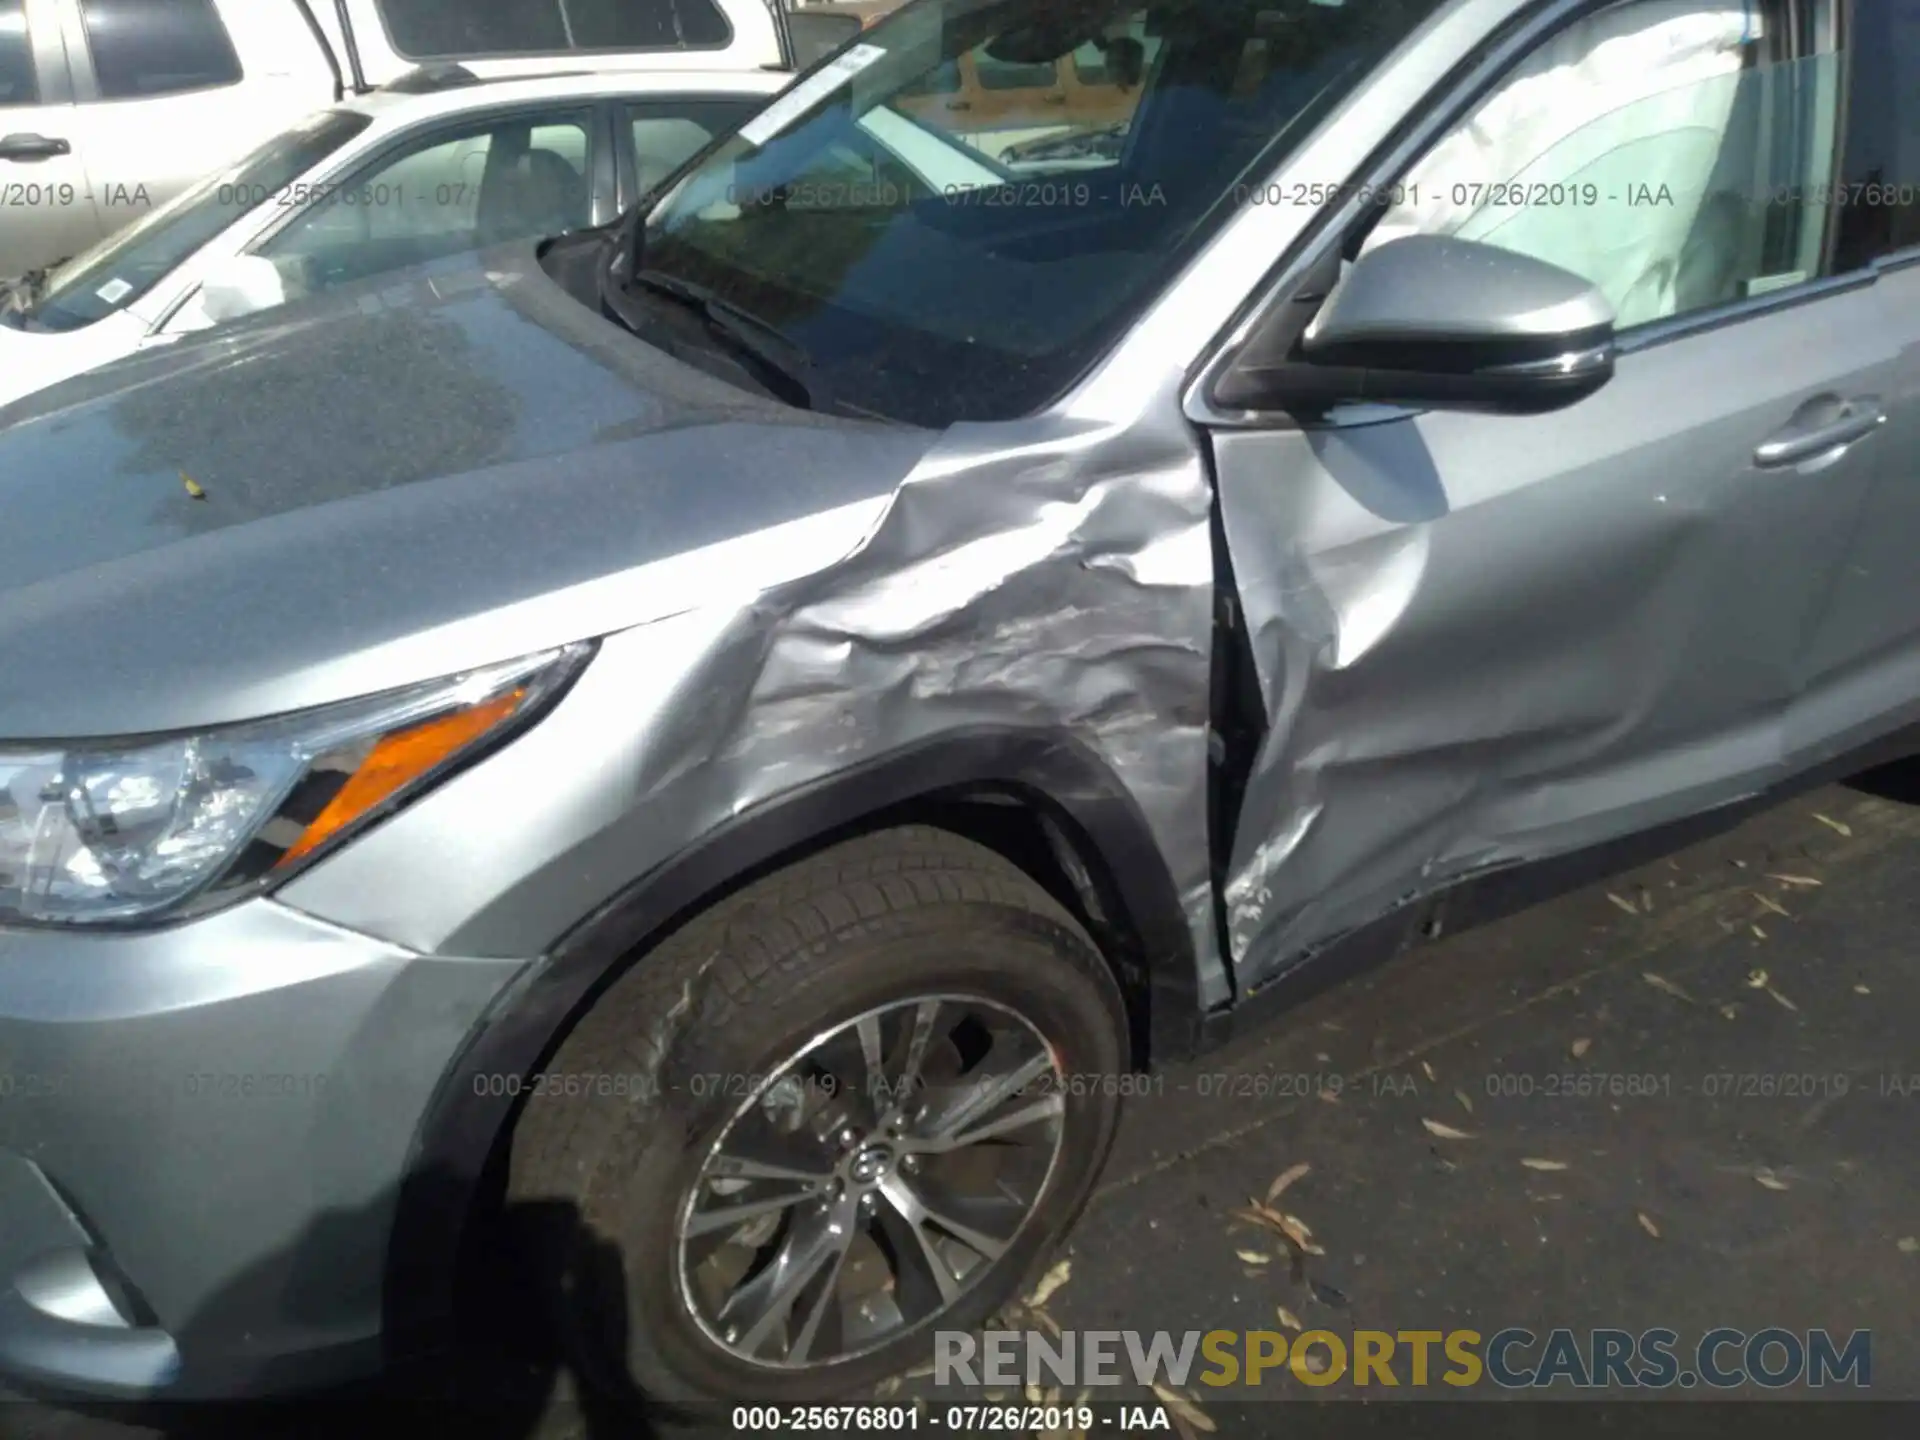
1433, 322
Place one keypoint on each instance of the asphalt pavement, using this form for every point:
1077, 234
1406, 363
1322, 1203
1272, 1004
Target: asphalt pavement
1684, 1099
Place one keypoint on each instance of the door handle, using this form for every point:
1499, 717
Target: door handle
1802, 441
32, 147
959, 104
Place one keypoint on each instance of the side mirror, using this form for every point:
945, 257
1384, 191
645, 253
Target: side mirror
1435, 322
241, 285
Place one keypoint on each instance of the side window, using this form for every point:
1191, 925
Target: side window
665, 137
443, 194
1676, 153
1879, 190
17, 83
426, 29
143, 48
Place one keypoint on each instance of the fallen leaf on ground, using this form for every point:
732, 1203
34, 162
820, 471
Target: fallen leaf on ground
1429, 1069
1757, 979
1292, 1321
1465, 1103
1328, 1095
1729, 1010
1861, 990
1781, 998
1801, 880
1181, 1406
1907, 1245
1767, 902
1295, 1233
1646, 1224
1646, 899
1758, 933
1285, 1178
1580, 1047
1035, 1395
193, 489
1534, 1163
1050, 1282
1770, 1180
1665, 986
1624, 903
1254, 1257
1832, 824
1445, 1132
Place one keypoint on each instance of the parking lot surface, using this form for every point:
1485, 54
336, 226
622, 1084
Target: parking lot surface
1685, 1098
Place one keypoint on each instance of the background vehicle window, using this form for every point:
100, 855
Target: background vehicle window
445, 194
17, 83
126, 265
1658, 149
423, 29
158, 47
666, 137
1879, 190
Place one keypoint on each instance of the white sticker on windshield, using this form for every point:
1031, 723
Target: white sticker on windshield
113, 290
808, 93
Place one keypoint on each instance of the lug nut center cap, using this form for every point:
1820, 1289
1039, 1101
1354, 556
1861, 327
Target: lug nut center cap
869, 1164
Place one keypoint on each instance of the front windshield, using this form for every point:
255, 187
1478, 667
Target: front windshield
956, 217
127, 264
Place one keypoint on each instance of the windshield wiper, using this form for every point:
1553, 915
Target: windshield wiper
750, 339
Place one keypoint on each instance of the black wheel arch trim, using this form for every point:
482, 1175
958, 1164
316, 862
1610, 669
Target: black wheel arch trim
1078, 794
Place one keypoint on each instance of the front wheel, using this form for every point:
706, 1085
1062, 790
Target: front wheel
868, 1096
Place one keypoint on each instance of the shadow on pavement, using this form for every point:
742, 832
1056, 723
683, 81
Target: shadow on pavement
498, 1373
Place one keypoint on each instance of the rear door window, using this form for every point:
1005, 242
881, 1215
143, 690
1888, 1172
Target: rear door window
143, 48
17, 84
666, 136
432, 29
1878, 195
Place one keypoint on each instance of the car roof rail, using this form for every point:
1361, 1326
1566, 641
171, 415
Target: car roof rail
429, 79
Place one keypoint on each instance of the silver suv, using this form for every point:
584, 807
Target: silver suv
746, 725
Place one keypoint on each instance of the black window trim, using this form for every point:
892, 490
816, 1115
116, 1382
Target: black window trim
46, 65
1448, 103
86, 75
726, 20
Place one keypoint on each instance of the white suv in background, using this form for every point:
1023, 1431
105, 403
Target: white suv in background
109, 108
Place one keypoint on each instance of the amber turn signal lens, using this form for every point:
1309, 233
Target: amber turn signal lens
396, 762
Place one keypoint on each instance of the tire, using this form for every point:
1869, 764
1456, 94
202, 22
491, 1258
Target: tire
870, 933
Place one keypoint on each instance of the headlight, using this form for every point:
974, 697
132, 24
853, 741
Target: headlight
119, 831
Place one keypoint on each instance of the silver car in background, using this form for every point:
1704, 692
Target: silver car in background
110, 108
698, 757
432, 167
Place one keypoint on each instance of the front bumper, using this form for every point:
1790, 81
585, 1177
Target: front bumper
203, 1132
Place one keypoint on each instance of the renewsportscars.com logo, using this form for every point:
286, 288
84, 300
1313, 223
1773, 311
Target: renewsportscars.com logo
1513, 1359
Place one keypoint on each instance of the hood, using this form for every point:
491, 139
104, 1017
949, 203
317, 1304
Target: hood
387, 485
32, 360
